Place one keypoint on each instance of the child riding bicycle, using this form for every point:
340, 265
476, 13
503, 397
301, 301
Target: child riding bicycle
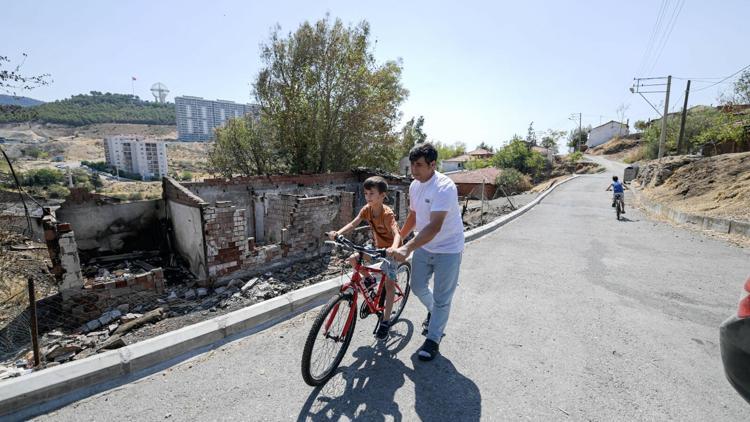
618, 190
385, 233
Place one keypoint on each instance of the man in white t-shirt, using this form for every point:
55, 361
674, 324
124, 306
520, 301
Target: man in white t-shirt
434, 214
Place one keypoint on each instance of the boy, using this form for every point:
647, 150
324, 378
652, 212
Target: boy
385, 233
617, 188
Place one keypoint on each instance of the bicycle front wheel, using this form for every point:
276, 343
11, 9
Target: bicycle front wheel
328, 339
403, 288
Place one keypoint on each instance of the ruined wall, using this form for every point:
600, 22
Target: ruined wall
184, 211
226, 239
112, 228
188, 236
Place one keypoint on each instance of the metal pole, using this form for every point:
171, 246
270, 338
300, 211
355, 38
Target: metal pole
663, 134
580, 133
34, 327
481, 209
680, 146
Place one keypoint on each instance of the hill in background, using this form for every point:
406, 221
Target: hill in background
92, 108
12, 100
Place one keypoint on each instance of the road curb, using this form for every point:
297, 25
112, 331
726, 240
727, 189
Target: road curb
19, 394
67, 383
720, 225
481, 231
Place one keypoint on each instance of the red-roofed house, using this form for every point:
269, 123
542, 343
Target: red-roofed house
469, 183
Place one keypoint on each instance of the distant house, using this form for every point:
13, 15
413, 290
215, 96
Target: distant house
459, 163
480, 153
455, 163
605, 132
469, 183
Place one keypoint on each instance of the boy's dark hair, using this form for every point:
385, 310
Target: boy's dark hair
376, 182
614, 178
426, 150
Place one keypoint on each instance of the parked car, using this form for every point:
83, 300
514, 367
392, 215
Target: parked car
734, 338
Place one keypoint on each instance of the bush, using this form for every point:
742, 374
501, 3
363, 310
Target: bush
477, 164
512, 181
136, 196
186, 176
43, 177
57, 191
575, 157
517, 155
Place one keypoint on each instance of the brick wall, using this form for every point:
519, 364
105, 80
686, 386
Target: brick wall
226, 239
97, 297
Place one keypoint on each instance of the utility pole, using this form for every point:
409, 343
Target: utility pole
578, 141
663, 134
680, 146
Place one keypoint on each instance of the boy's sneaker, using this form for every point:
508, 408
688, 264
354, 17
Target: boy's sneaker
383, 329
425, 324
429, 350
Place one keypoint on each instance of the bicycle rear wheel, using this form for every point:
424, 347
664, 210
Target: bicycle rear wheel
403, 279
328, 339
619, 208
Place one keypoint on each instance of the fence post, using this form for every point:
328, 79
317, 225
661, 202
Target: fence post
34, 327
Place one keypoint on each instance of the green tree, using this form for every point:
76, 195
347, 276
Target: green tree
43, 177
446, 151
512, 181
485, 146
478, 164
519, 156
640, 125
577, 138
331, 105
411, 134
550, 138
531, 135
241, 147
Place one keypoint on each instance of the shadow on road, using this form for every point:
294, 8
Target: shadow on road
366, 389
627, 220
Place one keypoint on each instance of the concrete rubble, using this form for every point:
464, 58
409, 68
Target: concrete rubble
123, 324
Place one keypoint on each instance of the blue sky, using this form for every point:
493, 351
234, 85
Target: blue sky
477, 71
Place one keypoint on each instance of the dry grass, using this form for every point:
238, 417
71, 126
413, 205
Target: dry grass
715, 186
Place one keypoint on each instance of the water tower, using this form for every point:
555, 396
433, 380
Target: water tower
160, 91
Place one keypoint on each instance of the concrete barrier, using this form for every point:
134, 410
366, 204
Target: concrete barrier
719, 225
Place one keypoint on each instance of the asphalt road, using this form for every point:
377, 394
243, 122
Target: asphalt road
564, 314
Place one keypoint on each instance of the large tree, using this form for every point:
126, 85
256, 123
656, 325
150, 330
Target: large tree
241, 147
412, 134
331, 105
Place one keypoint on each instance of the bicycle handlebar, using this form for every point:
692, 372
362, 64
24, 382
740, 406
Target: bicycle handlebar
378, 253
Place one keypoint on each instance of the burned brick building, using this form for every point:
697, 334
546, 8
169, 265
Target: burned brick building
219, 228
249, 224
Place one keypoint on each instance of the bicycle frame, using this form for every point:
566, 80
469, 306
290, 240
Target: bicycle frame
357, 284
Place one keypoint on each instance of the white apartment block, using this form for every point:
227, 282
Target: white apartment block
135, 154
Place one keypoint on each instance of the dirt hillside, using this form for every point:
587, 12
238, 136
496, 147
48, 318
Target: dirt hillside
711, 186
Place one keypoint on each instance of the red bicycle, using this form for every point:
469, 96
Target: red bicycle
333, 328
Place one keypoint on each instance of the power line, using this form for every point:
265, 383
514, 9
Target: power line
652, 38
670, 25
721, 81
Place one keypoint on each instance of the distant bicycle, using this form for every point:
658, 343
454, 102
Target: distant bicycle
333, 328
619, 205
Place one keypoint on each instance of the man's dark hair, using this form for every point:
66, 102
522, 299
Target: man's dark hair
614, 178
425, 150
376, 182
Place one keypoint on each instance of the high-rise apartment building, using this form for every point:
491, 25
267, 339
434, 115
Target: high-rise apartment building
135, 154
197, 118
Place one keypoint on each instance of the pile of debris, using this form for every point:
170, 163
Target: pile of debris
180, 306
